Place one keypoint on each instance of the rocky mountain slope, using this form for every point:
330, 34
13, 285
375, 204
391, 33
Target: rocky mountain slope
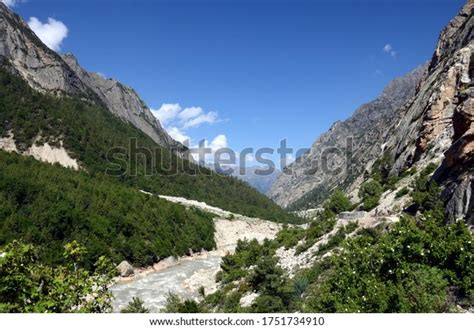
46, 71
360, 138
436, 125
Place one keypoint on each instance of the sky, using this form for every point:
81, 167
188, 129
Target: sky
245, 73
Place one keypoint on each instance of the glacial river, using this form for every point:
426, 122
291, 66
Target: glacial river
184, 279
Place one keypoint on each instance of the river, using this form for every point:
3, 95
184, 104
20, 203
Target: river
184, 279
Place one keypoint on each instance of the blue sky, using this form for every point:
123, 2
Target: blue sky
258, 70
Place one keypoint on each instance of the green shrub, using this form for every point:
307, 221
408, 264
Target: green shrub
136, 305
28, 286
404, 191
338, 202
370, 193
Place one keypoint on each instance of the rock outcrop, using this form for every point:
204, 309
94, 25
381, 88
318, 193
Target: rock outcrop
23, 53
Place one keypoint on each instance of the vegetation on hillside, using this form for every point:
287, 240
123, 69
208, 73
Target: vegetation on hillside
49, 206
90, 132
419, 264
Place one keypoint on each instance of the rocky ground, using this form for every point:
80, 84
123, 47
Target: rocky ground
292, 262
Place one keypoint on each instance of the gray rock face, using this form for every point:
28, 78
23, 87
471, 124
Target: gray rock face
436, 125
44, 70
125, 269
41, 67
340, 156
124, 102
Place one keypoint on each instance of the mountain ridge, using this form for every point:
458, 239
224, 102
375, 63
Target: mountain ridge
48, 72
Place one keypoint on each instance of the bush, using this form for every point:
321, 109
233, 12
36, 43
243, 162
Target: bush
404, 191
136, 305
338, 202
174, 304
370, 193
405, 270
26, 285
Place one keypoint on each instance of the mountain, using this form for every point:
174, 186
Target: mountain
362, 135
251, 176
425, 117
57, 112
48, 72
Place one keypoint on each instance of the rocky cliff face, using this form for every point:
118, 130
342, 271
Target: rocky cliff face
44, 70
340, 156
124, 102
436, 125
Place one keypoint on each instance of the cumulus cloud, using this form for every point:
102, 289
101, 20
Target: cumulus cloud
179, 135
178, 120
10, 3
210, 117
52, 33
388, 48
189, 117
167, 113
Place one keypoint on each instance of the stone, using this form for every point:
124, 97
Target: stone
352, 215
125, 269
248, 299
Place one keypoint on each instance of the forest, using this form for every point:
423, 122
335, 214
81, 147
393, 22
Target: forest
49, 206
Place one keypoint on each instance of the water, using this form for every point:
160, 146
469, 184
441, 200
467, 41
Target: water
184, 279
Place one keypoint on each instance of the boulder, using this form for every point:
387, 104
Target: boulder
351, 215
125, 269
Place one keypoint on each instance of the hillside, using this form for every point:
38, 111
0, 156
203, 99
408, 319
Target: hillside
48, 205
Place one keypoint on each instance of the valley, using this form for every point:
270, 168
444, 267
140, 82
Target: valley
103, 210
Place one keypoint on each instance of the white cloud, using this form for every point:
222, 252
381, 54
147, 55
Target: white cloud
167, 113
219, 142
179, 135
177, 120
210, 117
189, 117
206, 151
51, 33
388, 48
10, 3
190, 112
